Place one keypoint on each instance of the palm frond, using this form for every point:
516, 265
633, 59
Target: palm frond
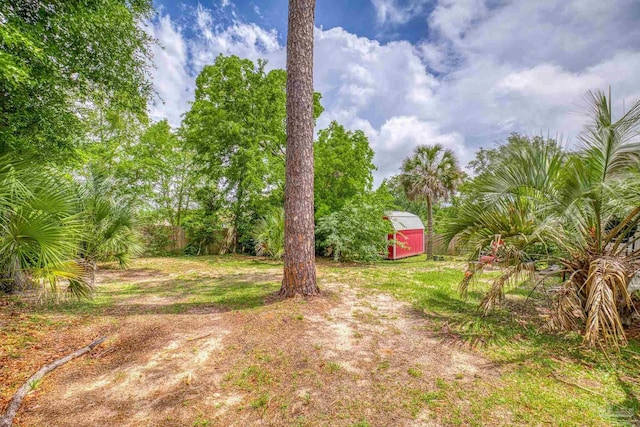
606, 288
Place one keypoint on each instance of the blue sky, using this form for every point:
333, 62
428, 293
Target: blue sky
462, 73
360, 17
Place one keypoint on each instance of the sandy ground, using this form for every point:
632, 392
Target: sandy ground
344, 358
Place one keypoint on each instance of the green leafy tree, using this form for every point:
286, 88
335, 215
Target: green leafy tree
431, 175
237, 127
162, 165
343, 167
488, 160
578, 211
205, 224
58, 58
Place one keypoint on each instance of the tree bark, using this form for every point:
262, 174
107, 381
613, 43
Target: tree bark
299, 238
429, 229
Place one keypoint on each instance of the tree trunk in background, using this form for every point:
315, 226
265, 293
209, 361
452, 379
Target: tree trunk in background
429, 229
299, 239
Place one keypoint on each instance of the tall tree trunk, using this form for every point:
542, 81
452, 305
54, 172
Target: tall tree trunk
429, 229
299, 239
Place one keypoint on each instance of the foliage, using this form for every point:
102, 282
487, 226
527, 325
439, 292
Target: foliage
203, 226
109, 231
431, 174
168, 171
401, 201
578, 211
58, 58
343, 167
356, 232
441, 212
488, 160
39, 231
236, 126
269, 235
156, 240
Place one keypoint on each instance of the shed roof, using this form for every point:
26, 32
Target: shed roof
404, 221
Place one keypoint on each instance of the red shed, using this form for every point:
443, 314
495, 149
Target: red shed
408, 235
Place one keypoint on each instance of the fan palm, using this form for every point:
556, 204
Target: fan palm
431, 174
39, 231
109, 223
578, 211
269, 235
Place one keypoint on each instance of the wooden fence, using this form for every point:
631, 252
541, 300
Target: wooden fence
168, 239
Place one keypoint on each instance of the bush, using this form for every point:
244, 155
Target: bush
357, 232
39, 231
109, 222
268, 235
157, 240
203, 231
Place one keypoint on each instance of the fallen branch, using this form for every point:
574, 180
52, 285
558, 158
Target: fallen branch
588, 390
16, 400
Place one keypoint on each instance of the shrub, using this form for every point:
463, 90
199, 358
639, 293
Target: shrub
39, 231
157, 240
268, 235
203, 230
357, 232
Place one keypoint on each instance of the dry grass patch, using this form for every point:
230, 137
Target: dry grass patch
206, 341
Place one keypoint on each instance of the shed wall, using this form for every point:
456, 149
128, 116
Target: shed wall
408, 243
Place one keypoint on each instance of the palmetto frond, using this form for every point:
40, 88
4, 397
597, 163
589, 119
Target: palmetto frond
39, 229
577, 210
109, 223
605, 289
269, 235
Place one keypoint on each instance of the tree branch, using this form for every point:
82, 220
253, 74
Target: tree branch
7, 419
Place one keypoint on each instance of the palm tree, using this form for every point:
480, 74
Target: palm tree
299, 239
578, 211
109, 223
269, 235
39, 231
431, 174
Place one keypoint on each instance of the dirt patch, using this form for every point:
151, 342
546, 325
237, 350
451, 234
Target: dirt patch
338, 359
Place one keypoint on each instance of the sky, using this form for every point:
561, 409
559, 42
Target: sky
461, 73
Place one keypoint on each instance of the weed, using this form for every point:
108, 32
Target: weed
201, 422
332, 367
384, 365
33, 385
414, 372
260, 402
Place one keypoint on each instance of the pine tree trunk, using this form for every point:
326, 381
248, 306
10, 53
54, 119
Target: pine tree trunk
429, 229
299, 239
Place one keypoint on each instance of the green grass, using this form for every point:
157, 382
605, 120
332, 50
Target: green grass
531, 358
545, 378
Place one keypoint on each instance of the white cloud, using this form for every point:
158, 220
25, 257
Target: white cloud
489, 68
171, 78
399, 135
395, 12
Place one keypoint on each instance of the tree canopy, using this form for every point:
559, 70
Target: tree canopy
236, 125
60, 59
343, 167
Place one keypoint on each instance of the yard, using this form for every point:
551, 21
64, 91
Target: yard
205, 341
